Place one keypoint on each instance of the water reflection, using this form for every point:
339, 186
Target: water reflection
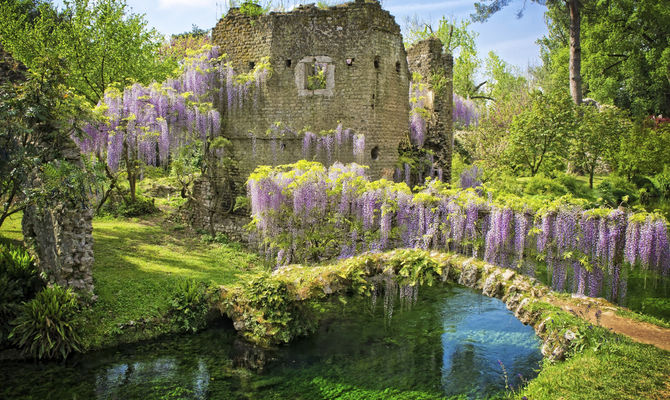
480, 342
450, 343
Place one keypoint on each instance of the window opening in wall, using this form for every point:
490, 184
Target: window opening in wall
377, 62
316, 75
288, 63
252, 65
375, 153
397, 66
350, 62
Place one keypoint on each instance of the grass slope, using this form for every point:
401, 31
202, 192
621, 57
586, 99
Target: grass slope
620, 369
138, 265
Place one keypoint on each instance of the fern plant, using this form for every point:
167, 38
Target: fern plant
46, 326
189, 305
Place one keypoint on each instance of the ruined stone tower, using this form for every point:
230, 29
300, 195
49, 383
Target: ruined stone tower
427, 59
344, 66
364, 85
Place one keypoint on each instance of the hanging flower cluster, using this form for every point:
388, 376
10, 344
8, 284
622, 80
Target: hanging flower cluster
325, 145
471, 177
147, 123
306, 212
464, 112
418, 101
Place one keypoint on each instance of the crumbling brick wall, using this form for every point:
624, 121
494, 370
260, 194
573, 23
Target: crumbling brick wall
366, 86
428, 59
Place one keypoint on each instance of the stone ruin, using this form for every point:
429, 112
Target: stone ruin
58, 234
357, 48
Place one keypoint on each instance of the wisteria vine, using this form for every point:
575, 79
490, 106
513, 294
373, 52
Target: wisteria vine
306, 212
147, 123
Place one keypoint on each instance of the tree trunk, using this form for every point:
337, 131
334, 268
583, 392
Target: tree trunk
575, 52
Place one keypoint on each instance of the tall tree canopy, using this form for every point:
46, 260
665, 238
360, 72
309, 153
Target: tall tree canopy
626, 59
98, 42
572, 8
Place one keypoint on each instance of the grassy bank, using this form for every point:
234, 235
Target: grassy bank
139, 264
617, 369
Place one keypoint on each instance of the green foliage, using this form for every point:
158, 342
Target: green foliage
219, 238
187, 166
37, 114
597, 137
190, 305
539, 135
274, 315
47, 325
625, 53
644, 149
540, 185
504, 81
20, 280
659, 306
19, 266
126, 207
415, 267
615, 190
317, 78
252, 9
99, 43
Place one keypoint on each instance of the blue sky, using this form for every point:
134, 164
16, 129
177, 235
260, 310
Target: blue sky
513, 39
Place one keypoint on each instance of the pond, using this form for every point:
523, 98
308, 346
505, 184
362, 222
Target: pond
453, 341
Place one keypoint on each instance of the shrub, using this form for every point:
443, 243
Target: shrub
286, 317
574, 185
190, 305
19, 281
19, 266
10, 305
46, 326
540, 185
614, 190
125, 207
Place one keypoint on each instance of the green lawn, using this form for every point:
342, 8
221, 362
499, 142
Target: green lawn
138, 265
620, 369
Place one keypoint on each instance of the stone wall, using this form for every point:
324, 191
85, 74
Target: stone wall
60, 235
428, 59
366, 90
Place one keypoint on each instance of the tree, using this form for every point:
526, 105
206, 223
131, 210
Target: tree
597, 137
98, 42
626, 58
540, 134
37, 117
644, 149
573, 8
